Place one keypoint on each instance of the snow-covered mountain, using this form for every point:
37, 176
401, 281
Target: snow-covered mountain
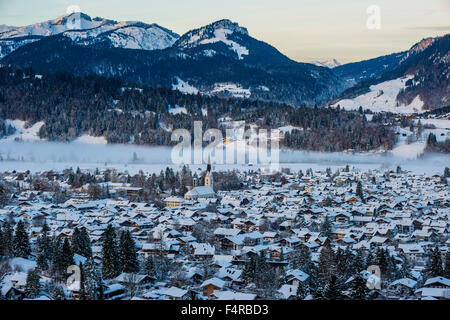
78, 21
4, 27
219, 59
415, 81
224, 31
332, 63
382, 97
84, 30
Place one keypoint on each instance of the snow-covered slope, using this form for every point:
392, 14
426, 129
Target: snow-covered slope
383, 98
84, 30
230, 89
23, 133
223, 31
184, 87
4, 27
129, 35
51, 27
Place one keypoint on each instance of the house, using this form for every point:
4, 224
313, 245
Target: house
202, 250
404, 287
232, 295
437, 282
201, 192
115, 291
342, 217
174, 293
270, 236
173, 202
413, 252
294, 277
211, 285
288, 291
143, 281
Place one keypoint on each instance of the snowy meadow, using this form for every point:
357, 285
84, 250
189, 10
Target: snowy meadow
40, 155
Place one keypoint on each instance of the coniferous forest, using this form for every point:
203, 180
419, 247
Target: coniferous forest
71, 106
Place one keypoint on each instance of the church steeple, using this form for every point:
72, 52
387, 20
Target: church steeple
208, 166
208, 175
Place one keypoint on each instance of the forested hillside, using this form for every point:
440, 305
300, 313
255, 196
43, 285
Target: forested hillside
72, 106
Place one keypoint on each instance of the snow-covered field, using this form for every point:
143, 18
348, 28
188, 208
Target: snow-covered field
177, 110
22, 133
39, 156
87, 139
383, 97
184, 87
233, 89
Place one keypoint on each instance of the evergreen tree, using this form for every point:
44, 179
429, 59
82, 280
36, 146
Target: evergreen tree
44, 248
110, 254
81, 243
405, 271
91, 281
327, 263
21, 242
447, 265
318, 293
32, 286
57, 292
304, 261
7, 239
447, 172
66, 255
370, 260
435, 264
248, 274
358, 288
149, 267
381, 258
357, 264
431, 141
341, 262
1, 244
325, 227
359, 191
302, 291
128, 253
333, 289
57, 264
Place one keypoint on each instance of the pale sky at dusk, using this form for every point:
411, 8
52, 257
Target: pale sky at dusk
304, 30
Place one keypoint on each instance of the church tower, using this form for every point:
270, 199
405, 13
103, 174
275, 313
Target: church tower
208, 175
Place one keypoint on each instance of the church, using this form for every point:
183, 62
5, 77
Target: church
202, 192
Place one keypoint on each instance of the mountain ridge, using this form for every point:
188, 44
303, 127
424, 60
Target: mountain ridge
221, 58
206, 58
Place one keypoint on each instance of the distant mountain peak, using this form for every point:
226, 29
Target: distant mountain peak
229, 25
419, 47
225, 31
83, 30
332, 63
